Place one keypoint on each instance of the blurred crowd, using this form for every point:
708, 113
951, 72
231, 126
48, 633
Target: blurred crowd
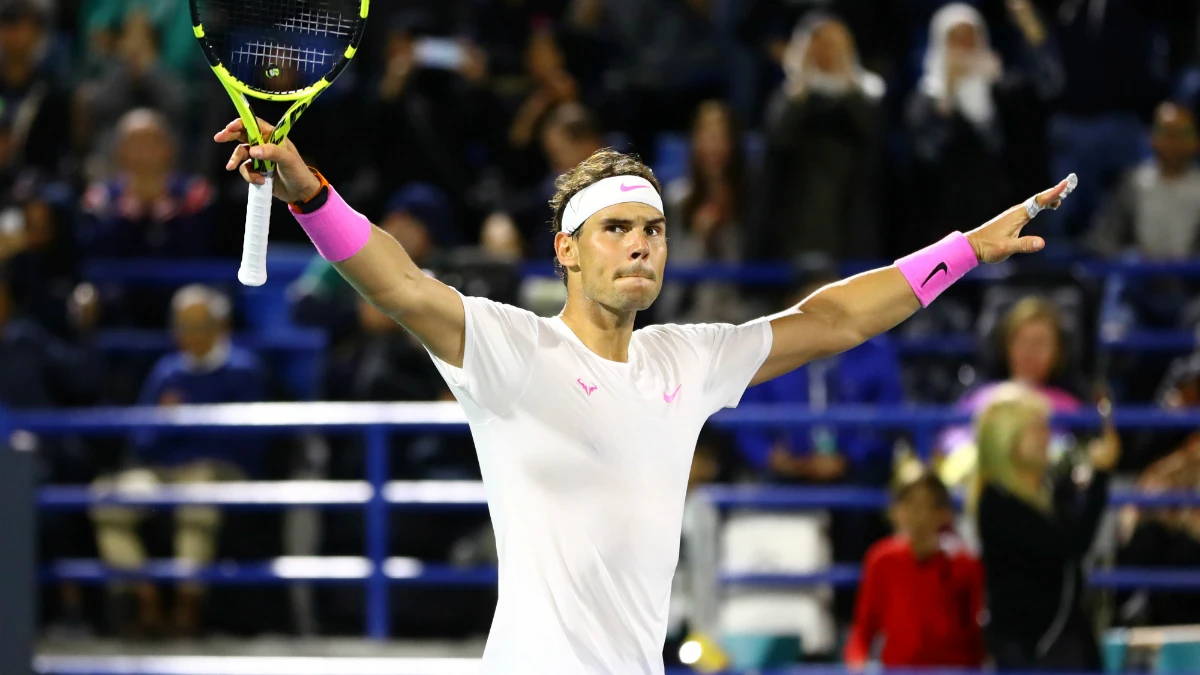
803, 132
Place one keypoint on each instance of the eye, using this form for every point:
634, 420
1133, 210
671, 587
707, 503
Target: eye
653, 230
615, 227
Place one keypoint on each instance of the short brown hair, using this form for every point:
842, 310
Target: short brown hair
1033, 308
604, 163
929, 481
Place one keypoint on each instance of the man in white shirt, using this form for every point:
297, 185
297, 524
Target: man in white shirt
584, 427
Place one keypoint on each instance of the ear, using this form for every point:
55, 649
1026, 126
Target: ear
566, 248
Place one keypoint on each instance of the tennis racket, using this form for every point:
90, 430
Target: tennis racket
274, 50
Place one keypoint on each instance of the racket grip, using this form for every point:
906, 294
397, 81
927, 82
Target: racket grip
253, 271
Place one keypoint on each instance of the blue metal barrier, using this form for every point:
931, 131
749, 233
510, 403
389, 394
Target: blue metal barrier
376, 496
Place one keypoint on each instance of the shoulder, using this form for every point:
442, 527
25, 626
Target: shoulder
886, 550
243, 359
167, 366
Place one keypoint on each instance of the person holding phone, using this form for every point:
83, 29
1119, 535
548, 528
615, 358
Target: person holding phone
1035, 532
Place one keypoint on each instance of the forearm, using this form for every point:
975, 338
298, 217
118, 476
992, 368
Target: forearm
861, 307
383, 273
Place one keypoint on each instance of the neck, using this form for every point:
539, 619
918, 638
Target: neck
601, 329
1028, 480
1172, 169
923, 547
148, 187
17, 71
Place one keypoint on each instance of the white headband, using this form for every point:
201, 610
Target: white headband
605, 193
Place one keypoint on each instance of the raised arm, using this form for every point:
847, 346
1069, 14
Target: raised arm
379, 269
845, 314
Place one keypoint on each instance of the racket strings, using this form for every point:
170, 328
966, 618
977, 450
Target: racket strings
280, 46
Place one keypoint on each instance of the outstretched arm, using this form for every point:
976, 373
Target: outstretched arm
380, 270
845, 314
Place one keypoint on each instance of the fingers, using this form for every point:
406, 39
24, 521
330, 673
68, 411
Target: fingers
1030, 244
240, 154
251, 176
236, 131
1052, 198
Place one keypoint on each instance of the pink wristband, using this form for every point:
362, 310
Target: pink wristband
931, 270
337, 230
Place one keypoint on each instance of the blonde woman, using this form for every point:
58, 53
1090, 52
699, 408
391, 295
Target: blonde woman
1034, 535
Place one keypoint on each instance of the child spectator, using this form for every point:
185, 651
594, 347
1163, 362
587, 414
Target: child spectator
922, 591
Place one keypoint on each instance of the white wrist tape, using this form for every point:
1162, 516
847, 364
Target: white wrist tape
1032, 208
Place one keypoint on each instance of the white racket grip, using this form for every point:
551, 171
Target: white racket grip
253, 271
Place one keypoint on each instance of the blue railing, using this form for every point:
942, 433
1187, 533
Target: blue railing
377, 497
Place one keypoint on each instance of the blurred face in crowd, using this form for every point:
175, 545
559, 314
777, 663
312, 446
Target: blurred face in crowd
711, 141
963, 37
832, 48
920, 518
1032, 450
144, 147
20, 34
564, 152
1174, 137
1033, 351
620, 254
196, 330
412, 234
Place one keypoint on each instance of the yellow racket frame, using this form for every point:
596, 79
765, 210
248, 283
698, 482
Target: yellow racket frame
239, 93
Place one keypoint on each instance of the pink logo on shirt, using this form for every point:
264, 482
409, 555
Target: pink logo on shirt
587, 388
671, 397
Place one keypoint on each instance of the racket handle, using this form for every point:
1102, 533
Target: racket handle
253, 271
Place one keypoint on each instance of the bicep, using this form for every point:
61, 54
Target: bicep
796, 339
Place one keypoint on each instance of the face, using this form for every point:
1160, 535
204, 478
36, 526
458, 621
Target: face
963, 37
832, 47
1032, 451
1032, 352
1174, 135
145, 148
619, 257
918, 515
562, 152
19, 36
196, 330
710, 140
411, 233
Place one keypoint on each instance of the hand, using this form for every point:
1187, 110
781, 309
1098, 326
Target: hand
1027, 20
1105, 451
999, 238
293, 181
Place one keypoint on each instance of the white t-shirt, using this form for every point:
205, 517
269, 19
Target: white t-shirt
585, 462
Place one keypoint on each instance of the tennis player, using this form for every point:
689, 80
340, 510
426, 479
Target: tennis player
585, 428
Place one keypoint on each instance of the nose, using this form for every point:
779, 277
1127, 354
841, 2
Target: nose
639, 247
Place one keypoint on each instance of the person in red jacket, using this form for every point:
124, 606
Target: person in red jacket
921, 590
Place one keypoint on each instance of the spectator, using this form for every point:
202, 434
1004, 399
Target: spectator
1034, 532
1163, 537
975, 127
569, 135
206, 369
432, 120
706, 211
419, 216
30, 96
150, 208
551, 85
824, 150
135, 80
1156, 208
103, 21
1120, 56
667, 59
921, 590
1034, 348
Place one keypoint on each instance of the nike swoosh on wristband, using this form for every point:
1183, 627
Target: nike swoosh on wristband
630, 188
941, 267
